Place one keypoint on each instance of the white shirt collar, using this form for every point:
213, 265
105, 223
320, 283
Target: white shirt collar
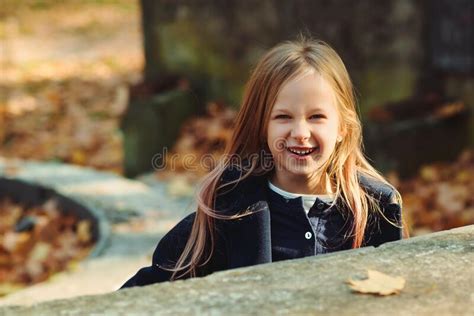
289, 195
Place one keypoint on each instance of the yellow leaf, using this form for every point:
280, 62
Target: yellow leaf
78, 157
377, 283
40, 252
463, 176
11, 241
84, 231
429, 173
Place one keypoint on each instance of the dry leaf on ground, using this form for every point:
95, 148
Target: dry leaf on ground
38, 241
377, 283
441, 196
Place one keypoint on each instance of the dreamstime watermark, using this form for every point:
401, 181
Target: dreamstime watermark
193, 162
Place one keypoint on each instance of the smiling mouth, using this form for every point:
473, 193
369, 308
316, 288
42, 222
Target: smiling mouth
302, 151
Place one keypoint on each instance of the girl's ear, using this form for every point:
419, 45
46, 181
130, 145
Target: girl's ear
341, 135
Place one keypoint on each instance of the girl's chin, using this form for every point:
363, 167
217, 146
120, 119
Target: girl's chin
302, 170
307, 166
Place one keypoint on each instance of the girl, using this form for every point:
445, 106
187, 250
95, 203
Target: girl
293, 182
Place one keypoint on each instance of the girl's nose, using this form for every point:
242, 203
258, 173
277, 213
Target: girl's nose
300, 131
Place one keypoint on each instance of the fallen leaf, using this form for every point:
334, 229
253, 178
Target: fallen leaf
377, 283
40, 252
78, 157
452, 197
12, 240
429, 173
84, 231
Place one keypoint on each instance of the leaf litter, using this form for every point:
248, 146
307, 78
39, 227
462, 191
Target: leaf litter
38, 241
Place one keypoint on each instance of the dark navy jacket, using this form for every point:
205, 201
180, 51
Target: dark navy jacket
277, 229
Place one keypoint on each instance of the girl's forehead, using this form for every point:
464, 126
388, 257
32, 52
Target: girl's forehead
309, 89
306, 78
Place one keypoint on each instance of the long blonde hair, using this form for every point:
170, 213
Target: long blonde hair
276, 67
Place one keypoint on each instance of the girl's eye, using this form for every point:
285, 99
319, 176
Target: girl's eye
317, 116
282, 117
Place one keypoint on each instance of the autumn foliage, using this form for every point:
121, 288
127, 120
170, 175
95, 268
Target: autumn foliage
37, 242
441, 196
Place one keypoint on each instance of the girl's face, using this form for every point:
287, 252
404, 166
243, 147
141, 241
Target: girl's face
303, 127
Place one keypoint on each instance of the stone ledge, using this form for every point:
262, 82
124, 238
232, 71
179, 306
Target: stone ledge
438, 269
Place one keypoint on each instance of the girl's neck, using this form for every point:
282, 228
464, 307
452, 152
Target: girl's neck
300, 185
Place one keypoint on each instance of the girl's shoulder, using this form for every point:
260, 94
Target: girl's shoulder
388, 226
239, 172
382, 191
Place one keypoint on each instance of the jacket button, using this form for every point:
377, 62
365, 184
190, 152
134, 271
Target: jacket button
308, 235
320, 206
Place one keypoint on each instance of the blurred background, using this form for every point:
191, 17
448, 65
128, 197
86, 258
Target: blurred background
110, 84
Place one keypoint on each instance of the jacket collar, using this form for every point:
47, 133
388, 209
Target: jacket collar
253, 192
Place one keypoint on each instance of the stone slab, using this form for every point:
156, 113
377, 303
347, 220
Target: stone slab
437, 267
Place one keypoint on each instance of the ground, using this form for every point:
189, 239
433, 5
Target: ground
64, 85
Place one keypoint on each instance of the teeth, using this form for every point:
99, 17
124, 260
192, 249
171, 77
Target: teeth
301, 152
